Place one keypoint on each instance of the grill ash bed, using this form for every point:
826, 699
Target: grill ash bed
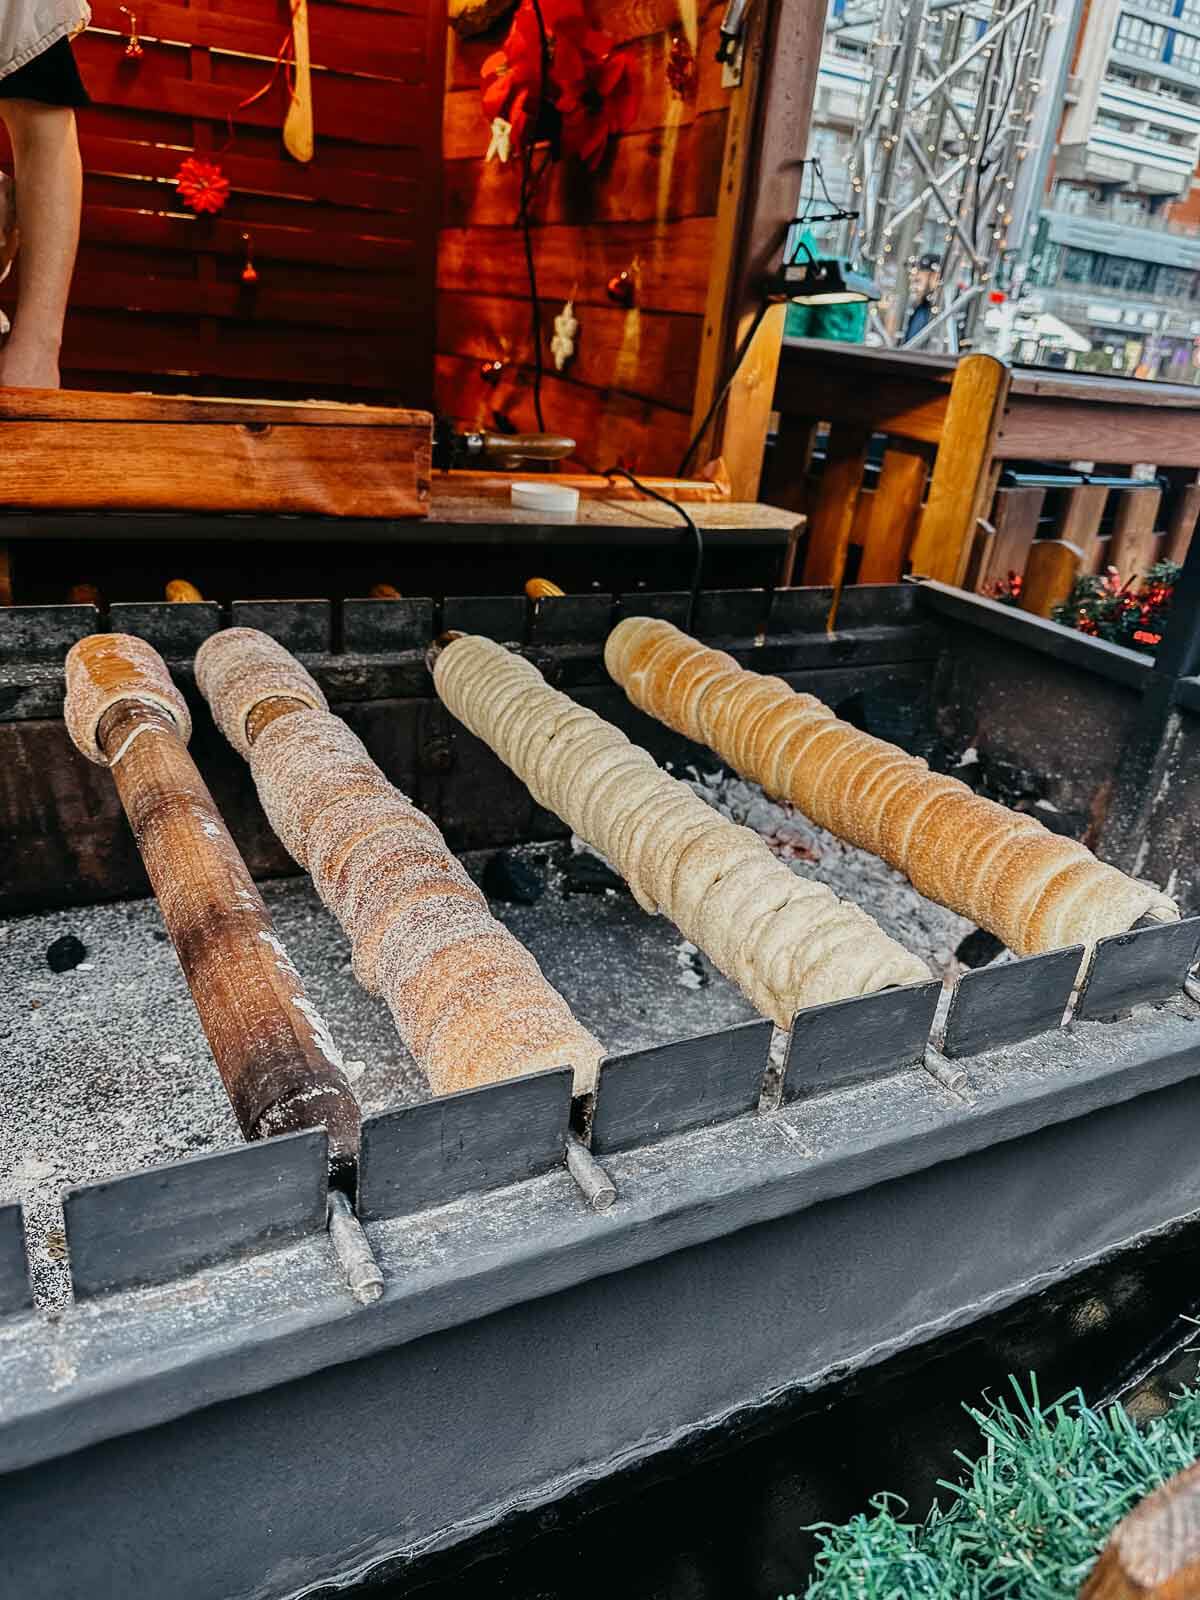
895, 1170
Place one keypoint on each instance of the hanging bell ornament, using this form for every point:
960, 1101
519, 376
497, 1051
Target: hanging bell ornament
249, 271
620, 288
490, 371
133, 45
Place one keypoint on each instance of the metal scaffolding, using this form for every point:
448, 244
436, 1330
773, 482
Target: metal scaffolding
959, 118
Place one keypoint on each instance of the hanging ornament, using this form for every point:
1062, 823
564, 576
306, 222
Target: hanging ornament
490, 371
681, 65
202, 186
249, 271
500, 147
619, 288
133, 45
562, 345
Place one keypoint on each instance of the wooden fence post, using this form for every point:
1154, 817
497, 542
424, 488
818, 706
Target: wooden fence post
962, 479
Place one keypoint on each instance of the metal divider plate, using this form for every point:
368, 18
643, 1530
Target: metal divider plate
169, 1220
43, 633
371, 627
15, 1293
996, 1006
648, 1094
731, 613
176, 630
847, 1041
1131, 969
429, 1154
571, 619
301, 625
865, 605
495, 616
667, 607
799, 611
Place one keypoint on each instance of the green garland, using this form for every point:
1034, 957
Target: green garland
1122, 613
1026, 1521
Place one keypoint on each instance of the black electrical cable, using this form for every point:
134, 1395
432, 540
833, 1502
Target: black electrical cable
742, 352
697, 536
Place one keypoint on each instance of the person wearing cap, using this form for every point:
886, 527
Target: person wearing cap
923, 281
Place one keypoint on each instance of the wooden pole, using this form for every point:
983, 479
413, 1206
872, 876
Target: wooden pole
1154, 1552
274, 1052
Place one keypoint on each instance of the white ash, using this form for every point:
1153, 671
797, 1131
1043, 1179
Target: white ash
927, 929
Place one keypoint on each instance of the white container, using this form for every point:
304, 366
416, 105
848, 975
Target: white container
553, 498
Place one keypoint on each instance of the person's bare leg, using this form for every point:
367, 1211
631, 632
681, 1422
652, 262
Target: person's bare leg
48, 188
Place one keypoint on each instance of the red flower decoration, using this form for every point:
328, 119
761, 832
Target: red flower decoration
588, 85
202, 186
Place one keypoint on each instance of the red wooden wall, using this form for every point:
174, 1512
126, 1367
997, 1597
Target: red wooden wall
344, 246
651, 209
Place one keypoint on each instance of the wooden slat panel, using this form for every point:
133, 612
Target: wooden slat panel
1015, 519
358, 109
1134, 546
671, 275
1183, 523
611, 427
341, 39
1050, 570
1080, 524
157, 230
900, 409
1039, 428
324, 471
895, 506
363, 309
959, 487
833, 515
653, 354
660, 175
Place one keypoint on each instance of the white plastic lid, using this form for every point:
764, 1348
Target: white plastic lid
556, 497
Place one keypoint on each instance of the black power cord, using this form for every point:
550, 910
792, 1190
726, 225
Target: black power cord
687, 519
718, 402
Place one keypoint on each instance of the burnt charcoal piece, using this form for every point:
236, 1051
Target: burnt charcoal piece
978, 948
1071, 824
1008, 783
586, 874
65, 953
507, 878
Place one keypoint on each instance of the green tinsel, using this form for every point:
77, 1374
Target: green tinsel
1123, 613
1028, 1518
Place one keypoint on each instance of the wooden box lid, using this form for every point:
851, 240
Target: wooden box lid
84, 450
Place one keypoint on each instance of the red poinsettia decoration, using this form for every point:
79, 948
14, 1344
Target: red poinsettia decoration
589, 89
202, 186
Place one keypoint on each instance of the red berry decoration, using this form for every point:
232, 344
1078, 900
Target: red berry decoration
619, 288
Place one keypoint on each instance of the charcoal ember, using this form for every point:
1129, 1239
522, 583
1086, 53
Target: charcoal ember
587, 874
1070, 824
978, 948
506, 877
1009, 783
65, 953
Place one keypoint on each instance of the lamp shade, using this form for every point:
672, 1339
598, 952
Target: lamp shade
822, 281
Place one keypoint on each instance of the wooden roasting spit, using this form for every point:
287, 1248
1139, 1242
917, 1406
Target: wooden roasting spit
276, 1058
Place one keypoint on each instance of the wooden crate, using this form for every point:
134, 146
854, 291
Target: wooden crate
78, 450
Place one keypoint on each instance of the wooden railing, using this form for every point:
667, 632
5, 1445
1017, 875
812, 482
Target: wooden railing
976, 481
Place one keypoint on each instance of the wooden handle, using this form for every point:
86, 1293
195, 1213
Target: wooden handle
384, 591
276, 1058
1154, 1552
542, 589
180, 592
298, 124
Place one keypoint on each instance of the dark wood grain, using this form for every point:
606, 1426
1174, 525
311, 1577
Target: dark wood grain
168, 1220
